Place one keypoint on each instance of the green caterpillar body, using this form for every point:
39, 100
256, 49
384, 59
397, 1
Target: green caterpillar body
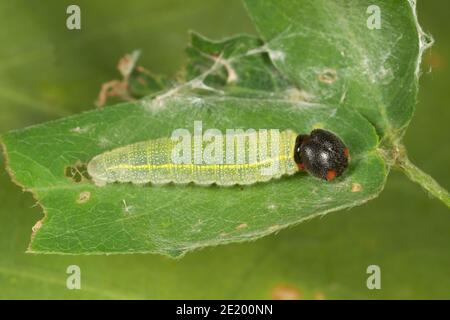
152, 162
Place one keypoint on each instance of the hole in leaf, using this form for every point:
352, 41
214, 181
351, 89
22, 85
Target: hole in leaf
77, 173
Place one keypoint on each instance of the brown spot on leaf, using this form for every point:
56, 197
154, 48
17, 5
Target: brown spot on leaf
36, 227
285, 292
328, 76
241, 226
356, 187
84, 197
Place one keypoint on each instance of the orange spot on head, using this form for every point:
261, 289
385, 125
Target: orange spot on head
331, 174
301, 166
346, 152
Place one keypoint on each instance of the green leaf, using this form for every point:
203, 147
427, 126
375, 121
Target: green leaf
240, 66
173, 219
230, 84
359, 54
236, 66
144, 83
327, 49
403, 231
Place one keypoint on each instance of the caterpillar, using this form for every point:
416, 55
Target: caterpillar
225, 160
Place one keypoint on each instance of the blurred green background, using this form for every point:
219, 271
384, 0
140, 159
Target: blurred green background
47, 72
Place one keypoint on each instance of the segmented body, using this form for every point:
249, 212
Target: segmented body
152, 162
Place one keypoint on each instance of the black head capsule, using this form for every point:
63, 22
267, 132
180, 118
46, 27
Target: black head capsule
321, 153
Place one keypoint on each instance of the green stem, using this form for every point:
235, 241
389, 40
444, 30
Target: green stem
423, 179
